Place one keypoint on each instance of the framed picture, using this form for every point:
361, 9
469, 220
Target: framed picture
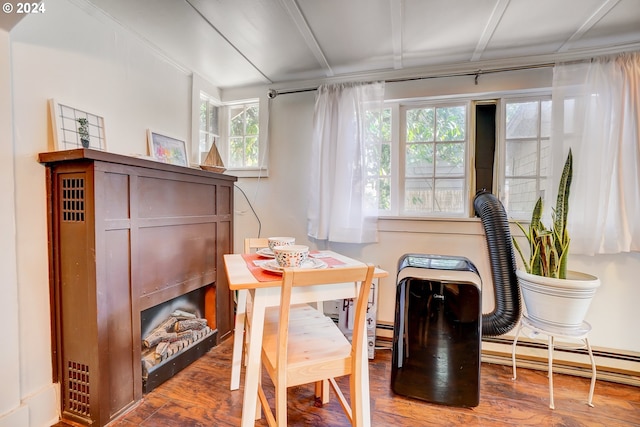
166, 149
75, 128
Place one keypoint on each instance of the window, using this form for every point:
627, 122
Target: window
434, 147
235, 130
209, 133
527, 154
378, 128
424, 168
243, 136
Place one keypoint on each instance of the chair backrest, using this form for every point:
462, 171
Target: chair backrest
361, 275
251, 243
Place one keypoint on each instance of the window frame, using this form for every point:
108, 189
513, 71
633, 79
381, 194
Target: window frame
541, 189
398, 148
262, 169
401, 153
213, 137
201, 86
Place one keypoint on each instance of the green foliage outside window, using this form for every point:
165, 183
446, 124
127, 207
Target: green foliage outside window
435, 158
378, 152
243, 136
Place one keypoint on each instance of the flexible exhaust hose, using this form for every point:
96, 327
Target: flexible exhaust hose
506, 313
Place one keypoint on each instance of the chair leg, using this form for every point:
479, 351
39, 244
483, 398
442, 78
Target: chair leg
281, 405
264, 403
322, 393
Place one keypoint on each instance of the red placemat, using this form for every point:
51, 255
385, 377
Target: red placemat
267, 276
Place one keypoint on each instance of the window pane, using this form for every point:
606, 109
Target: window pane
419, 160
236, 121
449, 196
451, 123
450, 159
521, 195
545, 119
522, 119
373, 153
420, 124
386, 125
545, 158
243, 142
251, 151
385, 159
236, 152
371, 193
384, 194
418, 195
521, 158
374, 126
203, 115
252, 120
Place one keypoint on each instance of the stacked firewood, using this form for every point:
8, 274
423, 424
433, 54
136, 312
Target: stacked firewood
179, 331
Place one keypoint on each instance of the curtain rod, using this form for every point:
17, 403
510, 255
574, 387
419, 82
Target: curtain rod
273, 92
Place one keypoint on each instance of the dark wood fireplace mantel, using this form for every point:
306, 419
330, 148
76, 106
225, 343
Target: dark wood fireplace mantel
126, 234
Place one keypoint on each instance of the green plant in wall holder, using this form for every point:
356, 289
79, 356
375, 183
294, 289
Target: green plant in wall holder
552, 295
83, 131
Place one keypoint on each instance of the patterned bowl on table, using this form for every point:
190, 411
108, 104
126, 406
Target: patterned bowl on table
280, 241
291, 255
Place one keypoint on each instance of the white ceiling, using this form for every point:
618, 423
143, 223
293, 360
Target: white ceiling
236, 43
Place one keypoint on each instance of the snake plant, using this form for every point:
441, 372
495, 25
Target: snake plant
548, 247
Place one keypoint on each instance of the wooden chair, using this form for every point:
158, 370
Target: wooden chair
304, 346
241, 327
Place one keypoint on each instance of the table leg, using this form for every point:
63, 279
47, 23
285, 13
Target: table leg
252, 372
238, 339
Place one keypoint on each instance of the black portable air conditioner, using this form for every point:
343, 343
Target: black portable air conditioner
438, 330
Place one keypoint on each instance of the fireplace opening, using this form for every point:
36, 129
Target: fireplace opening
174, 334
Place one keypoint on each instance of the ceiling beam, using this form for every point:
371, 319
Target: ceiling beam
490, 28
397, 16
303, 27
589, 23
233, 46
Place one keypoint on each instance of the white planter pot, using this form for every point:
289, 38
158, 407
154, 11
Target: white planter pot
561, 303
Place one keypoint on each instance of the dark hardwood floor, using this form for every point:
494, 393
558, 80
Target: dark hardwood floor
200, 396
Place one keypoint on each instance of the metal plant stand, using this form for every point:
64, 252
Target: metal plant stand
579, 333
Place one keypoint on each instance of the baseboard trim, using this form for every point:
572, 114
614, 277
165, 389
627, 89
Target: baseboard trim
611, 365
622, 367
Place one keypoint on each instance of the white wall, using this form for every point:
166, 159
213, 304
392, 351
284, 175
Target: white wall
280, 201
78, 56
12, 412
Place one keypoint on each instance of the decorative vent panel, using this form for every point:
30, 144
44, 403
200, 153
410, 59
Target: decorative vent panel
78, 388
73, 199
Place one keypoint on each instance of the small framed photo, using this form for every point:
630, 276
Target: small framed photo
75, 128
166, 149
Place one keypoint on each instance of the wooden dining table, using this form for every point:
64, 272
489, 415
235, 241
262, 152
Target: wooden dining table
264, 286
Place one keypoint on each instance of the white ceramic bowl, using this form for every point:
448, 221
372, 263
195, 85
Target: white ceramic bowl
291, 255
280, 241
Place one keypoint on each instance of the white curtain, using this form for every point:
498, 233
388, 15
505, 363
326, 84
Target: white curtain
596, 113
341, 207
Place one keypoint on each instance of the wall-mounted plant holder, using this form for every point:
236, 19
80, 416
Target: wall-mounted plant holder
74, 128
